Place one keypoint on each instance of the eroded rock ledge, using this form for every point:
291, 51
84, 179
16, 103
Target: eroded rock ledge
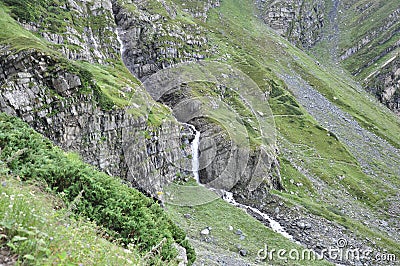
55, 102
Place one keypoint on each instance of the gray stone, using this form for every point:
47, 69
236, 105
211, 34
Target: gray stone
243, 252
205, 232
238, 232
182, 255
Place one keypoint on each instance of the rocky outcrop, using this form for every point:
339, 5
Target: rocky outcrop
374, 52
385, 84
387, 25
224, 162
300, 21
63, 102
56, 102
199, 9
226, 165
156, 39
80, 30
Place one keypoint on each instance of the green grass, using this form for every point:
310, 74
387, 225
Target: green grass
14, 35
37, 227
116, 83
355, 25
113, 86
219, 215
244, 42
124, 213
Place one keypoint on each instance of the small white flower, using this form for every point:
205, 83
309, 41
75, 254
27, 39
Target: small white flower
127, 251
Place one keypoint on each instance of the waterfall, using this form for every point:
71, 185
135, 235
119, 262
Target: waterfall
119, 32
195, 155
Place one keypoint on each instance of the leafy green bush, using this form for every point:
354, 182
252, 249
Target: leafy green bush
126, 214
40, 235
26, 10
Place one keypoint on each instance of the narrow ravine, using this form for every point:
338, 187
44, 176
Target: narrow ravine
334, 32
228, 196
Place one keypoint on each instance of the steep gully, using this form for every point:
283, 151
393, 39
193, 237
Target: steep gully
195, 154
228, 196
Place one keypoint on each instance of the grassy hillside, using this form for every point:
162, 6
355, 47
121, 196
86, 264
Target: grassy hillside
240, 39
108, 82
372, 19
127, 216
363, 37
336, 184
38, 227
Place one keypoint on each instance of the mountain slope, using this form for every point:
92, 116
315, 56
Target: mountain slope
367, 45
299, 140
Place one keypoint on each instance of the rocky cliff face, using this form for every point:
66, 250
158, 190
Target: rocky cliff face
80, 109
198, 9
80, 30
387, 26
373, 55
371, 26
300, 21
385, 84
155, 38
58, 104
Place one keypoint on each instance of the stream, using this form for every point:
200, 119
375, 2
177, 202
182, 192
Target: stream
228, 196
275, 225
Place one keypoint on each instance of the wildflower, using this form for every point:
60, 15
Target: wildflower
127, 251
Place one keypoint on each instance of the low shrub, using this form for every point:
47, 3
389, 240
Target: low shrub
124, 212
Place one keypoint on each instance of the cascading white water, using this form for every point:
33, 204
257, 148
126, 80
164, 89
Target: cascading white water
228, 196
119, 32
275, 226
195, 155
